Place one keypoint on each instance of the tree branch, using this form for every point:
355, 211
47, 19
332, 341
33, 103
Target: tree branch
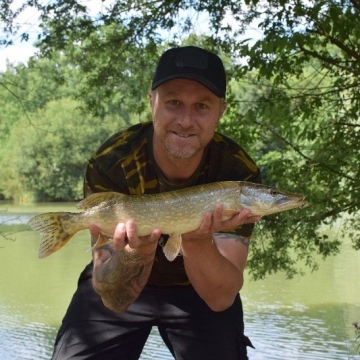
323, 58
18, 99
356, 4
332, 212
338, 43
343, 123
296, 149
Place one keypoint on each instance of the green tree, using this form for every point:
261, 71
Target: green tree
24, 90
32, 134
300, 120
46, 160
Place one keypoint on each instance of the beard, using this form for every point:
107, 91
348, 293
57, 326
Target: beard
178, 152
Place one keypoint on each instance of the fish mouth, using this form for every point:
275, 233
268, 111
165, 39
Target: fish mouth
304, 202
301, 202
294, 203
302, 199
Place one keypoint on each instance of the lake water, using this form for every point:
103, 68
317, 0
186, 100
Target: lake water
305, 318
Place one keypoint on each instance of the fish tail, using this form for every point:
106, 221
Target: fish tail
54, 237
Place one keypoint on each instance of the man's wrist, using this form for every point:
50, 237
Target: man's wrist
197, 245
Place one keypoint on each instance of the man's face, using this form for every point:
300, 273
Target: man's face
185, 115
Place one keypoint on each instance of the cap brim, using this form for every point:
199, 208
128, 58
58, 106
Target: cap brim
196, 77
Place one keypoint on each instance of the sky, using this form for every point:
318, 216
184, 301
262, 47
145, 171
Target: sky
18, 53
21, 50
28, 22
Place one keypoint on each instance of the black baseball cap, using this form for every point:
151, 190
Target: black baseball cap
191, 62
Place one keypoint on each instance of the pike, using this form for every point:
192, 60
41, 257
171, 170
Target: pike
174, 212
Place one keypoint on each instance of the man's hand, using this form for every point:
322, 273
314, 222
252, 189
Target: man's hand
213, 264
121, 269
126, 235
212, 223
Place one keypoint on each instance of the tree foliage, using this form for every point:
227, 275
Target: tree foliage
46, 138
46, 160
293, 95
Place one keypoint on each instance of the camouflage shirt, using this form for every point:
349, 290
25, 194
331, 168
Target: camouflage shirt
125, 163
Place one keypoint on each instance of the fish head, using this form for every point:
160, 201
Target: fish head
264, 200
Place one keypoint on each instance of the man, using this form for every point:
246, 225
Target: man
130, 286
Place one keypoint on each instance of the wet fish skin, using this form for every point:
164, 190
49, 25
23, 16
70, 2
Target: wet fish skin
174, 213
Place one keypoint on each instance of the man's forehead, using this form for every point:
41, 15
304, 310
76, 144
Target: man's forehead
184, 86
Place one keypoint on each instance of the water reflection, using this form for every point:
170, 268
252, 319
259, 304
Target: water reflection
155, 348
31, 342
288, 334
307, 318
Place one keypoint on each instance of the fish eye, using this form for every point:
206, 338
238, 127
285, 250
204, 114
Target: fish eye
274, 192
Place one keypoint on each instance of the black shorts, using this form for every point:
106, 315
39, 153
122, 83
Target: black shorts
189, 328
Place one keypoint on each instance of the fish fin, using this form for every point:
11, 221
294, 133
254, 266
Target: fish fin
53, 235
98, 198
172, 247
229, 213
101, 241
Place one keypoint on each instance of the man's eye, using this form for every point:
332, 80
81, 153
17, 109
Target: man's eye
201, 106
174, 102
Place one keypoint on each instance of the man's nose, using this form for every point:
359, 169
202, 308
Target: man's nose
185, 118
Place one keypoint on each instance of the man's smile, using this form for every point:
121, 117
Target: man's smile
182, 135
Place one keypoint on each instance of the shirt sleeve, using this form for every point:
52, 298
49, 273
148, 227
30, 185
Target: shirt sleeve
96, 180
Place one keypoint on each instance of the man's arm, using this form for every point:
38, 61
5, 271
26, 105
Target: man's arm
215, 262
121, 269
215, 268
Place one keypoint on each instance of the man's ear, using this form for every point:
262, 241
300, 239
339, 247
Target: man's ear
151, 98
224, 105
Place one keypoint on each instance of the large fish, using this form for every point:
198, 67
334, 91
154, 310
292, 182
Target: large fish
174, 213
